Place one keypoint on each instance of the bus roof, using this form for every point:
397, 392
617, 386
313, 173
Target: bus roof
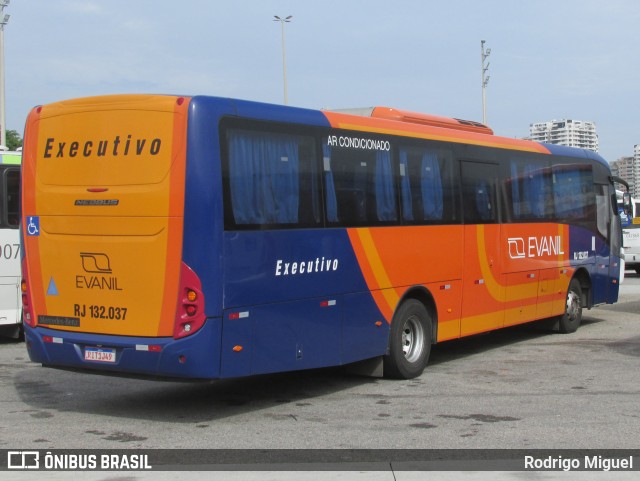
575, 152
431, 128
390, 113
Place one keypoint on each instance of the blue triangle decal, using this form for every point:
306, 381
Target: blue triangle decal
53, 289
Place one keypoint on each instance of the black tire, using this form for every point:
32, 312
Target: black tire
572, 317
409, 341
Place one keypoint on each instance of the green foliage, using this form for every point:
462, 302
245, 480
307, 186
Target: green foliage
13, 139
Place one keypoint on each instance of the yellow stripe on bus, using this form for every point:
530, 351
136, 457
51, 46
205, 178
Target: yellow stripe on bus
377, 267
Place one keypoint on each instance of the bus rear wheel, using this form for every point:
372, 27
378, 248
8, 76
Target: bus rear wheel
572, 317
409, 341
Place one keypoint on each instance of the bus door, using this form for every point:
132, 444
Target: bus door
483, 291
607, 247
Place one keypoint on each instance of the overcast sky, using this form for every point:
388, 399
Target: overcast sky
550, 59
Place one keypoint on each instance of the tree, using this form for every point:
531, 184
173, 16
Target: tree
13, 139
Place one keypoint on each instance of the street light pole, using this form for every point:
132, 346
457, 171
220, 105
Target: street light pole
485, 79
4, 19
284, 56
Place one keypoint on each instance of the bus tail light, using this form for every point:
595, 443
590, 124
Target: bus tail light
190, 310
27, 309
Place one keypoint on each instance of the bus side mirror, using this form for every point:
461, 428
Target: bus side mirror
626, 203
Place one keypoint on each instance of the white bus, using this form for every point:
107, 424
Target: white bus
631, 235
10, 296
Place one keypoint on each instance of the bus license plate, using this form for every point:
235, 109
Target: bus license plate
100, 354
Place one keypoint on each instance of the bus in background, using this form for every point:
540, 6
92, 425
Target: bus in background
631, 235
10, 302
202, 237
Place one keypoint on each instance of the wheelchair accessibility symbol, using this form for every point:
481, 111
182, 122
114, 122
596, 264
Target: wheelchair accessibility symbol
33, 225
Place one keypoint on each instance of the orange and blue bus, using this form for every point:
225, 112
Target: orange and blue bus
203, 238
10, 303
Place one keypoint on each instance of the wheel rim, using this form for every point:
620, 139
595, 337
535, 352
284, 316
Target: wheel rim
573, 306
412, 339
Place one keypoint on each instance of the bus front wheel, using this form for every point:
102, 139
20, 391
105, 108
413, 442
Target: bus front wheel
409, 341
570, 320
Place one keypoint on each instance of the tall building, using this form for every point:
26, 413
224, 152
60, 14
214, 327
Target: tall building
628, 168
573, 133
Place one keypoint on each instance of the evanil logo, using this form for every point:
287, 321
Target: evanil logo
98, 265
529, 247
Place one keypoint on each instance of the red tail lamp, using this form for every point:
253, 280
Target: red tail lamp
190, 316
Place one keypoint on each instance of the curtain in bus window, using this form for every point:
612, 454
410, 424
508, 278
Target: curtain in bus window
264, 180
515, 191
329, 185
533, 190
483, 200
603, 210
571, 191
358, 191
385, 195
315, 193
431, 183
564, 192
405, 185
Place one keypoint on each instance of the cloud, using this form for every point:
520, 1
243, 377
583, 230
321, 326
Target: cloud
82, 7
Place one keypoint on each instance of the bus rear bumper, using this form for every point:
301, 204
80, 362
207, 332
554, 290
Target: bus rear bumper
194, 357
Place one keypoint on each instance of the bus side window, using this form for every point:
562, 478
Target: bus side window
479, 192
529, 190
603, 210
359, 186
573, 192
12, 196
272, 180
426, 186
